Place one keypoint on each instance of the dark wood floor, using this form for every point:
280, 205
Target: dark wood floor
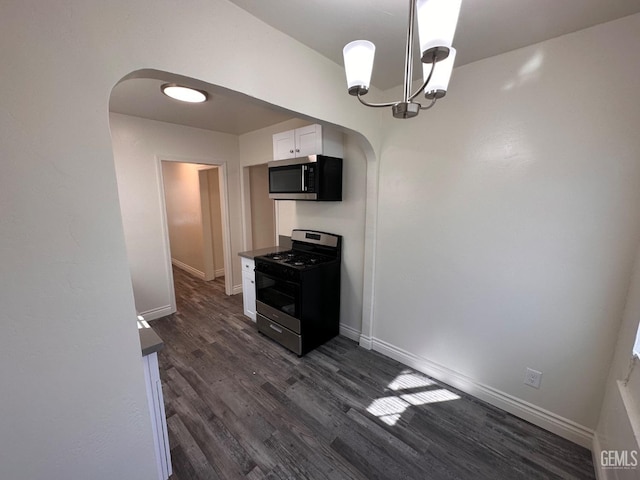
241, 407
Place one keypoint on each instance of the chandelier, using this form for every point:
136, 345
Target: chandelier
437, 21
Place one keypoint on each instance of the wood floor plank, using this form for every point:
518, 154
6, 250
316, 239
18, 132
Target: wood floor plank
240, 406
181, 463
198, 465
220, 448
256, 474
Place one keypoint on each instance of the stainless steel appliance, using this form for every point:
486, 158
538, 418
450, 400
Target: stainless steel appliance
298, 291
315, 177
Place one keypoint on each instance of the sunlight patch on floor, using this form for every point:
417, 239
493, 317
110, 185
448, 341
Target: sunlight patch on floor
410, 380
389, 409
142, 323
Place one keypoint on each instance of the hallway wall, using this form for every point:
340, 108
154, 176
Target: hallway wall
139, 145
184, 215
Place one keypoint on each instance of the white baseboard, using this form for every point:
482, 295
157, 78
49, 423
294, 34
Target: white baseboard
236, 289
596, 448
366, 342
543, 418
219, 272
349, 332
155, 313
188, 268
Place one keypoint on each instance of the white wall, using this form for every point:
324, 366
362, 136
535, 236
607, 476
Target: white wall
69, 347
181, 183
286, 216
263, 229
139, 145
508, 224
618, 417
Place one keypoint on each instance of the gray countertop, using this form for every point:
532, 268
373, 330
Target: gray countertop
251, 254
150, 342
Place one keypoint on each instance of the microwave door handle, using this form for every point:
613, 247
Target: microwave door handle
304, 174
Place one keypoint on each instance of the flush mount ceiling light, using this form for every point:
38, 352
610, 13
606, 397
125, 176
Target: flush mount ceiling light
437, 20
184, 94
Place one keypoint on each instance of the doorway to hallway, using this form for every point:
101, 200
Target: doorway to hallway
196, 225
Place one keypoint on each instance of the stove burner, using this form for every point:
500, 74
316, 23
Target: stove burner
297, 258
280, 255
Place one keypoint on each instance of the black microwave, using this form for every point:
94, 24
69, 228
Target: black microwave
316, 177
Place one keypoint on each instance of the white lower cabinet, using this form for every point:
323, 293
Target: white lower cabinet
249, 288
158, 419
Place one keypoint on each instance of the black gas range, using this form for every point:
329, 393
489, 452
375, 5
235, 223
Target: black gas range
298, 291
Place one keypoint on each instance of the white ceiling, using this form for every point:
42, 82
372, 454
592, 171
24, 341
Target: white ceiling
486, 28
223, 112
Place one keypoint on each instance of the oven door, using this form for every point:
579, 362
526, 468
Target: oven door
278, 300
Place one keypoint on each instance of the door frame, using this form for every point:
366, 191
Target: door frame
224, 209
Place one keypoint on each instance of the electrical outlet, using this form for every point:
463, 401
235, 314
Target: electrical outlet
532, 378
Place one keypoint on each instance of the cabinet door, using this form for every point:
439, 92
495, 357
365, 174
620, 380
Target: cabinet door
284, 145
249, 294
155, 400
308, 140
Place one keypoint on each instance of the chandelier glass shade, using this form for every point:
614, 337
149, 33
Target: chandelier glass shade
437, 20
437, 86
358, 64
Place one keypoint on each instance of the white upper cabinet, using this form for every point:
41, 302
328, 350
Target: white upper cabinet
309, 140
284, 145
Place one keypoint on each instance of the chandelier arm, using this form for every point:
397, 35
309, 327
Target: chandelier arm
375, 105
422, 87
433, 67
433, 102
